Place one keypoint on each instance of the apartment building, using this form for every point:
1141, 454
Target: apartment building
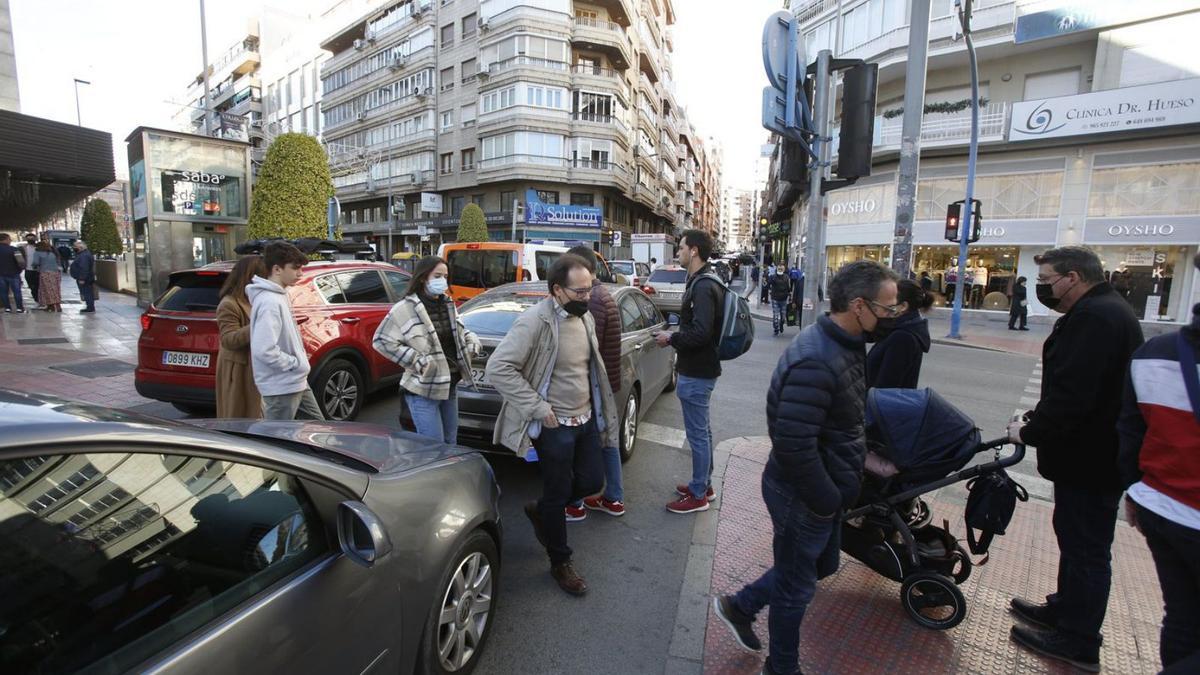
565, 105
1088, 135
739, 204
235, 94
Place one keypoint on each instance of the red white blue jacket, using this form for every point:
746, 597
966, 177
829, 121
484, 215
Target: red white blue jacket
1160, 437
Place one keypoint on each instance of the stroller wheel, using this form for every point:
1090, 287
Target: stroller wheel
932, 600
961, 569
920, 516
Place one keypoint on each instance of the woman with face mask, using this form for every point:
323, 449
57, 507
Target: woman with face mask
901, 342
423, 334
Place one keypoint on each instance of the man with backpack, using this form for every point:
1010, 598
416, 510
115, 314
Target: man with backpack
698, 364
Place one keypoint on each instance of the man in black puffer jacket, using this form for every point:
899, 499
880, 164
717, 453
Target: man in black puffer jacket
815, 418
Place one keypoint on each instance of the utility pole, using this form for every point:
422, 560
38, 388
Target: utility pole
814, 242
204, 55
78, 115
966, 224
910, 137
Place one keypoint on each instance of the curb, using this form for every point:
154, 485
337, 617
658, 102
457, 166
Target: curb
967, 345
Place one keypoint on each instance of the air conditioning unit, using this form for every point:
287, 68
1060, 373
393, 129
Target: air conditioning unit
371, 37
484, 72
418, 9
425, 93
483, 23
362, 115
360, 45
398, 62
417, 179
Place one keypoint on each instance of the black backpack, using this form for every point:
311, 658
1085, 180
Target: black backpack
990, 506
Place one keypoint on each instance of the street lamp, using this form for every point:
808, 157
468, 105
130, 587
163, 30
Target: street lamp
78, 116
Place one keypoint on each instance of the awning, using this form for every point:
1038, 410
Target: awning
46, 166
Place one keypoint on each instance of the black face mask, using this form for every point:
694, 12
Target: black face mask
576, 307
1045, 295
883, 328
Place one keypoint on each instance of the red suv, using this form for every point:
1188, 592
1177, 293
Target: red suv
337, 304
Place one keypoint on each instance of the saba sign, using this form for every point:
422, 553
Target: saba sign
538, 212
1130, 108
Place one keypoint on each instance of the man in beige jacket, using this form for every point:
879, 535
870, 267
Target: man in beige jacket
550, 373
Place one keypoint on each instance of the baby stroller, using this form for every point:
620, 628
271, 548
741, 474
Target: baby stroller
917, 443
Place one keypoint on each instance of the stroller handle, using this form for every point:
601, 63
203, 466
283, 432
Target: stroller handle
1017, 455
968, 473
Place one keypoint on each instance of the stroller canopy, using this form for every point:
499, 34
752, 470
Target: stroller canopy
919, 427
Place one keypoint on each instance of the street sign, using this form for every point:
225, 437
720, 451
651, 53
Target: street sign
778, 46
616, 240
431, 202
783, 60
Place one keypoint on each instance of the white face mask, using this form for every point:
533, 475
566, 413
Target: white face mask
436, 286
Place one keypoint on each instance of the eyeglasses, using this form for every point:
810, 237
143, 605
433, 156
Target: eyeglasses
578, 292
1044, 280
889, 310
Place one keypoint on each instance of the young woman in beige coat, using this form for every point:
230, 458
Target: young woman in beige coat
236, 394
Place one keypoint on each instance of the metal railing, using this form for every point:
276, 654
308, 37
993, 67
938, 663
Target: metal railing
509, 160
601, 24
941, 128
526, 62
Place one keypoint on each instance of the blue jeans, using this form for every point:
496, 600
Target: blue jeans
779, 314
614, 491
435, 419
569, 458
802, 544
694, 394
12, 283
1084, 522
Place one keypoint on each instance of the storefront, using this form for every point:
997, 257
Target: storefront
1148, 260
191, 201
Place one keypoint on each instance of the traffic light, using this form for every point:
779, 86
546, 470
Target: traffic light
954, 220
857, 136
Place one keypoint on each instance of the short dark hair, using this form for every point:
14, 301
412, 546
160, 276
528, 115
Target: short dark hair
281, 254
700, 240
587, 255
1078, 259
860, 279
425, 267
557, 276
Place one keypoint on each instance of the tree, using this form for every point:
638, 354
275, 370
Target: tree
98, 229
292, 192
472, 226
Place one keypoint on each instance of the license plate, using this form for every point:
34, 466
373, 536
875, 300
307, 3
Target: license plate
185, 359
670, 296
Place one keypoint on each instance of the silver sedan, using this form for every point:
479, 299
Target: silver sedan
665, 287
136, 544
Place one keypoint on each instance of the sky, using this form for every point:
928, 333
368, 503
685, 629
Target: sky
140, 54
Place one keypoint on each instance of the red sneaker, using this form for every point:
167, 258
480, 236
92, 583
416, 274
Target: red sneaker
683, 491
599, 503
688, 504
575, 513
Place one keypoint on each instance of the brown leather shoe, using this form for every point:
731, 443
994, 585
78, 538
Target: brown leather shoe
568, 579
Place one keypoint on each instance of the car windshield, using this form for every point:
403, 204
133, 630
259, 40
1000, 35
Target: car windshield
494, 315
622, 267
192, 292
669, 276
482, 268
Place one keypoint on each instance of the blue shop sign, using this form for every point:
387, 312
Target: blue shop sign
1075, 17
540, 213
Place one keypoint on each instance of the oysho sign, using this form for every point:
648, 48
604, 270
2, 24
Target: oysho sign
858, 206
1144, 107
1151, 229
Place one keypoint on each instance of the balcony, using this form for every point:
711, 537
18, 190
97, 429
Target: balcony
941, 130
650, 59
606, 37
357, 184
583, 120
408, 103
595, 172
418, 60
520, 166
499, 72
806, 11
618, 10
995, 19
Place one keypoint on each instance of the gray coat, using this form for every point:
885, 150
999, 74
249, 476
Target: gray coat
520, 367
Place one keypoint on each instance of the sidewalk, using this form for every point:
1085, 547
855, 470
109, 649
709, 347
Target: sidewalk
857, 625
89, 357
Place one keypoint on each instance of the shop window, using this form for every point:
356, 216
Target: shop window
1156, 190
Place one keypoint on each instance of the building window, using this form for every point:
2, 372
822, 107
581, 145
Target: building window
506, 199
477, 200
447, 36
470, 23
544, 97
467, 115
447, 163
1154, 190
468, 159
469, 69
447, 78
456, 205
1048, 85
499, 100
586, 14
447, 120
593, 107
583, 199
1023, 195
547, 197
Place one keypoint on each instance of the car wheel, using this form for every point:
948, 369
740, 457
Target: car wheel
673, 378
629, 426
339, 390
461, 618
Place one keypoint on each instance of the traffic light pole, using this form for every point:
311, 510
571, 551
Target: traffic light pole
968, 217
910, 137
814, 243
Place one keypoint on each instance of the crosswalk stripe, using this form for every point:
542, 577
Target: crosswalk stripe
1033, 390
1026, 400
656, 433
1035, 380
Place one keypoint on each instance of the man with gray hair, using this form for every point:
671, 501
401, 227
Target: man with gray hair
815, 408
1074, 428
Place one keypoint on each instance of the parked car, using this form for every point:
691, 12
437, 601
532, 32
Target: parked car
665, 287
646, 369
134, 544
635, 273
476, 267
337, 304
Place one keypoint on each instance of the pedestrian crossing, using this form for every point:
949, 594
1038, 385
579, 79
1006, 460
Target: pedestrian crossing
1026, 473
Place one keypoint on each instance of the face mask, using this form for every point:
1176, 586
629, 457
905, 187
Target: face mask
883, 328
437, 286
1045, 294
576, 307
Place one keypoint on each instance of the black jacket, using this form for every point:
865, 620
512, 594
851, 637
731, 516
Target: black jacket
1019, 295
895, 362
1084, 361
9, 267
699, 321
815, 417
781, 287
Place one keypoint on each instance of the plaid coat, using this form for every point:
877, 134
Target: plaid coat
407, 337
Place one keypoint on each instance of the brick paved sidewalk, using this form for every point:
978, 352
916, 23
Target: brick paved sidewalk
857, 625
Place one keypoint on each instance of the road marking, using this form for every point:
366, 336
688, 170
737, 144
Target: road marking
1035, 380
1033, 390
1029, 401
656, 433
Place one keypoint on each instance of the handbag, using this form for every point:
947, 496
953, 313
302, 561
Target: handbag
1191, 380
990, 505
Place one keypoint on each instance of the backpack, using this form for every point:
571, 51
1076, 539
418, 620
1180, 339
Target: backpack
990, 505
737, 324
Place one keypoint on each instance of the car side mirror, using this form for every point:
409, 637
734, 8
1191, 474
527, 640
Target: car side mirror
361, 534
672, 319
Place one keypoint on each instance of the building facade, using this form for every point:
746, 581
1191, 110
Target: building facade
1088, 135
234, 110
443, 104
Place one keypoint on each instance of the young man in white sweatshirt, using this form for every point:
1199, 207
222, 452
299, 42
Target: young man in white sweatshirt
277, 354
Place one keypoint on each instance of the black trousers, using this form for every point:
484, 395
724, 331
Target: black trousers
1176, 551
33, 280
1084, 522
1017, 312
572, 468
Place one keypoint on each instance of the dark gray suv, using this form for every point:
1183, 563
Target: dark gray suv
129, 543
